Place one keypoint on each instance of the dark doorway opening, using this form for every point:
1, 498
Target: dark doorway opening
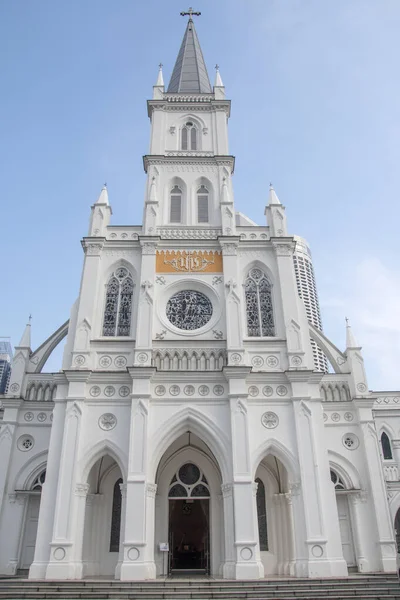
189, 535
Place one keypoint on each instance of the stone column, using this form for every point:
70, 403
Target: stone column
49, 490
234, 333
122, 531
79, 513
144, 329
19, 505
138, 537
228, 569
386, 546
246, 538
356, 500
291, 534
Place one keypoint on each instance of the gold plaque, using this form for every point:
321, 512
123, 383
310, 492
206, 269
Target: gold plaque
188, 261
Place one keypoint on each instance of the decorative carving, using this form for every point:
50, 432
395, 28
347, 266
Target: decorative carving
257, 361
296, 361
335, 417
142, 357
42, 417
216, 279
325, 417
226, 489
124, 391
151, 490
180, 233
14, 388
105, 361
204, 390
120, 362
161, 279
218, 335
184, 359
25, 443
218, 390
361, 387
267, 390
79, 360
350, 441
92, 249
174, 390
235, 358
95, 391
148, 248
270, 420
230, 285
229, 249
107, 421
281, 390
28, 416
109, 391
81, 489
189, 261
348, 416
253, 391
283, 249
272, 361
160, 390
189, 390
160, 336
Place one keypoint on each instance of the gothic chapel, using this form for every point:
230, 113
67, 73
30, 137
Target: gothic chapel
190, 427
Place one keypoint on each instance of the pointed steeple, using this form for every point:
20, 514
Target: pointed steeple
103, 198
273, 198
26, 336
190, 72
350, 339
218, 80
160, 78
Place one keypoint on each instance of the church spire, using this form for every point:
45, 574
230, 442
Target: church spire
190, 72
273, 198
350, 339
26, 336
103, 198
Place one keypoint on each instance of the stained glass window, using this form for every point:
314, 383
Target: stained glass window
386, 447
189, 482
260, 318
262, 516
189, 310
118, 308
116, 517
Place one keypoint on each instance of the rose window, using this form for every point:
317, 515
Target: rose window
189, 310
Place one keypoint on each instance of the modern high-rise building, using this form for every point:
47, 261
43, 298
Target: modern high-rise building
5, 364
307, 290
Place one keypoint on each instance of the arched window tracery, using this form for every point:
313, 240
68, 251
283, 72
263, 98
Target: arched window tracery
189, 136
175, 211
262, 515
118, 308
386, 447
116, 517
38, 482
189, 481
202, 204
337, 481
259, 310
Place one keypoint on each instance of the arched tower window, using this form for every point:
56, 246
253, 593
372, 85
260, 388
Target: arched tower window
118, 309
386, 447
189, 136
175, 213
202, 204
261, 516
38, 482
116, 517
259, 311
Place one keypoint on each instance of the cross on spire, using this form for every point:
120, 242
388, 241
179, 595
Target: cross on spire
190, 12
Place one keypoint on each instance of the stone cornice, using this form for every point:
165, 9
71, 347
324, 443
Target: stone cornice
304, 376
81, 375
215, 160
189, 102
142, 372
236, 372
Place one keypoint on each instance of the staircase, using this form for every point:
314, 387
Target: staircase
363, 587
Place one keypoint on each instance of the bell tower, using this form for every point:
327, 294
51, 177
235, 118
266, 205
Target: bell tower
188, 167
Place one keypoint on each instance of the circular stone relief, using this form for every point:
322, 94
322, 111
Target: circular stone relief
246, 553
253, 391
189, 390
160, 390
281, 390
204, 390
189, 310
272, 361
59, 553
361, 387
79, 360
105, 361
120, 362
123, 391
41, 417
317, 551
107, 421
218, 390
267, 390
28, 416
270, 420
109, 390
95, 391
174, 390
350, 441
142, 357
348, 416
25, 443
133, 554
335, 417
14, 388
296, 361
325, 416
257, 361
236, 358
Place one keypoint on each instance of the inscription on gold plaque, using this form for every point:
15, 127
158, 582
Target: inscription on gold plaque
188, 261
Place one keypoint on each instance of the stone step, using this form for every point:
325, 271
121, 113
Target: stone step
169, 596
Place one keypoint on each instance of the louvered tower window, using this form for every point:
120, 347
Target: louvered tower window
189, 136
202, 204
118, 309
175, 213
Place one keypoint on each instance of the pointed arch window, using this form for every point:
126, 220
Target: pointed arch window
337, 481
116, 517
259, 311
175, 213
118, 309
189, 136
202, 204
261, 515
386, 447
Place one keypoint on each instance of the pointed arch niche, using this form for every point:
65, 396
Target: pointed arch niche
104, 517
188, 510
176, 212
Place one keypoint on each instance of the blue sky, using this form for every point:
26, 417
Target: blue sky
315, 109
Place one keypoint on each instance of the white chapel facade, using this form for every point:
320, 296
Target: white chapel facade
189, 413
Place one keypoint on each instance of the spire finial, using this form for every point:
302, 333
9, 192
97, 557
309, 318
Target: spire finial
217, 67
190, 12
30, 318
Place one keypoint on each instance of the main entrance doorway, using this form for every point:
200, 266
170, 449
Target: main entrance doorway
189, 521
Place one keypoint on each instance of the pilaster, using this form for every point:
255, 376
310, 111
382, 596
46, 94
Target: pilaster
144, 330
